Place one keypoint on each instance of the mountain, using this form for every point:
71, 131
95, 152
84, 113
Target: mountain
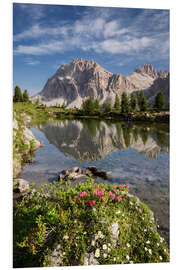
73, 83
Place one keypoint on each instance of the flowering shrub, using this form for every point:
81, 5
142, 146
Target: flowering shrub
79, 220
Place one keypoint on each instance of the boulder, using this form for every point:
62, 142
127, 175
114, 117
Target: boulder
21, 185
95, 172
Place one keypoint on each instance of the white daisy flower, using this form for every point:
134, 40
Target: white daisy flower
105, 255
97, 253
160, 258
128, 245
104, 246
148, 242
127, 257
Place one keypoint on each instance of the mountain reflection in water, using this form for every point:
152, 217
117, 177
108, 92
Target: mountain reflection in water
93, 140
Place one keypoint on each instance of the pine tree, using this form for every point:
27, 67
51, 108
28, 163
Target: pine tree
18, 97
117, 103
133, 102
25, 96
96, 104
125, 103
160, 101
142, 102
107, 107
88, 105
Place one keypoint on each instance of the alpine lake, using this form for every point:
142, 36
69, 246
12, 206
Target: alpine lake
131, 153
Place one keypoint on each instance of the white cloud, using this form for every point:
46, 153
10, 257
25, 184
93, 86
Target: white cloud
40, 49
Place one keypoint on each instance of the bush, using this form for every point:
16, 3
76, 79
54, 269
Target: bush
79, 220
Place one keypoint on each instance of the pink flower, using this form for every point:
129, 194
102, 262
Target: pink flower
115, 190
127, 186
103, 198
101, 192
121, 186
91, 203
75, 197
119, 199
82, 194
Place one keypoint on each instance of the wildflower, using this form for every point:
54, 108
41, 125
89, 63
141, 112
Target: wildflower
82, 194
121, 186
145, 230
75, 197
105, 255
101, 192
104, 246
145, 248
158, 244
108, 250
103, 198
127, 257
160, 258
148, 242
114, 259
96, 236
115, 189
127, 186
119, 199
161, 239
91, 203
150, 251
128, 245
66, 237
131, 262
109, 244
165, 250
97, 253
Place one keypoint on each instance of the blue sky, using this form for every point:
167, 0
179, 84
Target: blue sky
119, 39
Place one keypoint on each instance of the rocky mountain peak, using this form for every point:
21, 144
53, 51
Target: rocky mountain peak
147, 69
73, 83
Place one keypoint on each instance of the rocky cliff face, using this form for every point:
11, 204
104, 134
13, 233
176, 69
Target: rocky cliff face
74, 82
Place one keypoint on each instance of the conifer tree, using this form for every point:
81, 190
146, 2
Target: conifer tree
142, 102
133, 102
25, 96
117, 103
18, 97
125, 103
160, 101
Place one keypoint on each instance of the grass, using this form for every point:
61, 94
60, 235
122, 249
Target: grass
79, 219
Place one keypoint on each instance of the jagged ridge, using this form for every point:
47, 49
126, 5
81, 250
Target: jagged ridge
73, 83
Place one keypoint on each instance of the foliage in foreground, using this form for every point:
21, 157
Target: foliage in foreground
79, 220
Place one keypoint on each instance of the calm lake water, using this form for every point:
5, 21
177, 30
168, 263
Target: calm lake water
134, 154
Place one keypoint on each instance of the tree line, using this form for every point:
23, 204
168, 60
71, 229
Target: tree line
19, 96
127, 103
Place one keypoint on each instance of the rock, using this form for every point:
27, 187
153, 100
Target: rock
72, 174
72, 83
89, 259
115, 232
21, 185
95, 172
55, 258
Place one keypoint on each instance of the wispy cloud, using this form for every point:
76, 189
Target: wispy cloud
31, 62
